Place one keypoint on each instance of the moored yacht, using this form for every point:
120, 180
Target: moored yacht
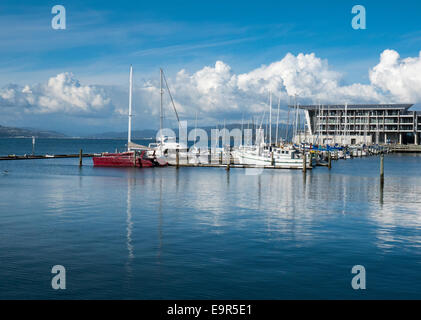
136, 155
277, 157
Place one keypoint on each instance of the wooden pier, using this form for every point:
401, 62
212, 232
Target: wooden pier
405, 148
56, 156
219, 160
231, 165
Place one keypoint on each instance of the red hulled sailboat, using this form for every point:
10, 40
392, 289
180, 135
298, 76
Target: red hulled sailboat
136, 155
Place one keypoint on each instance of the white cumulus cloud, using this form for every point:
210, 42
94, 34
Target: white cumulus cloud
218, 92
401, 78
62, 93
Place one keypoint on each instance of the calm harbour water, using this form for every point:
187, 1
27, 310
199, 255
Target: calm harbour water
199, 233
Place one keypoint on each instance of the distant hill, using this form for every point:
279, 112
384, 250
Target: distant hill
136, 134
10, 132
151, 133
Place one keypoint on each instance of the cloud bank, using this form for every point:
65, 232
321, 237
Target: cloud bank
62, 93
217, 92
399, 78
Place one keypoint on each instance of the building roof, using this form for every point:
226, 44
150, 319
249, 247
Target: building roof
356, 106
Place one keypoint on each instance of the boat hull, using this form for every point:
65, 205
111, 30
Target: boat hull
126, 159
262, 161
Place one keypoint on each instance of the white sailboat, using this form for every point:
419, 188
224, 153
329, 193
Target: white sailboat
265, 155
166, 146
277, 157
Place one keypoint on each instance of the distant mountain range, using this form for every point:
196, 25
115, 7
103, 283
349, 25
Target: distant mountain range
136, 134
151, 134
10, 132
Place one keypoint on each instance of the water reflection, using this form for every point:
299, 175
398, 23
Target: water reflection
131, 182
279, 220
283, 205
381, 193
160, 235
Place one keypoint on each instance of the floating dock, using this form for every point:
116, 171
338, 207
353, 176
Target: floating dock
47, 156
246, 166
405, 148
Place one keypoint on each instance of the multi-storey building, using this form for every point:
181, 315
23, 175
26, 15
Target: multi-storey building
360, 123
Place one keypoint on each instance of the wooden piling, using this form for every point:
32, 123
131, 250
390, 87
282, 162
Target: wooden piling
310, 160
272, 159
220, 157
177, 158
381, 195
229, 161
80, 157
382, 169
134, 158
304, 162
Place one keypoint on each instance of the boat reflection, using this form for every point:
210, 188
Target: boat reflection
131, 183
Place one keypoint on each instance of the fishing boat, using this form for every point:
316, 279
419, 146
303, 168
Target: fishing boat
136, 155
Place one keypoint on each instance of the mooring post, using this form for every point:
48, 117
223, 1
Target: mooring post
33, 145
229, 160
381, 178
272, 159
304, 162
220, 157
310, 158
329, 160
177, 158
382, 169
80, 158
134, 158
210, 156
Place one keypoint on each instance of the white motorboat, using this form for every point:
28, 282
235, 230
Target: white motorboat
167, 147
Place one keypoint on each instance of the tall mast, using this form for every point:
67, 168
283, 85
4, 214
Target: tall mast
161, 111
223, 137
277, 121
266, 131
296, 116
129, 135
346, 121
287, 126
242, 127
270, 117
195, 128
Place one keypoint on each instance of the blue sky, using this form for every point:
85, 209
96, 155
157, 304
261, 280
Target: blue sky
103, 38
